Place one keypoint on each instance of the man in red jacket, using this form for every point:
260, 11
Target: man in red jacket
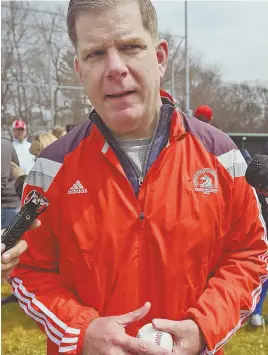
148, 206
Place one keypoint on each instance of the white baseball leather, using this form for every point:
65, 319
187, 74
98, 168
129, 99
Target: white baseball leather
149, 333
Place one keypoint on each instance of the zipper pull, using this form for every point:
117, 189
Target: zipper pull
140, 180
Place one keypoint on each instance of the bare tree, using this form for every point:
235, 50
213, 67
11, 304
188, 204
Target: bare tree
263, 96
35, 45
40, 86
236, 107
14, 32
77, 105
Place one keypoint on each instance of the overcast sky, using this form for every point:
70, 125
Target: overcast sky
231, 34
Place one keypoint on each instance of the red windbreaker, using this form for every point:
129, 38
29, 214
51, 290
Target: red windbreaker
191, 241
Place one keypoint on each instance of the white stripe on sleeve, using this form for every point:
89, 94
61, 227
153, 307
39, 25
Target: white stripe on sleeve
255, 293
25, 299
43, 173
233, 162
65, 349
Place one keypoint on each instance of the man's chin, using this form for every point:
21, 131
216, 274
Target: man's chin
123, 121
124, 115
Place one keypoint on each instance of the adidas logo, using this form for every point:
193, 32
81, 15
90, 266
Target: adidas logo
77, 188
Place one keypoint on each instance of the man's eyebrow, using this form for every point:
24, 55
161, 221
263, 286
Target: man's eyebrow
129, 39
93, 46
98, 45
101, 45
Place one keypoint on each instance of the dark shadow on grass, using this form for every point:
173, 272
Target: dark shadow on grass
250, 329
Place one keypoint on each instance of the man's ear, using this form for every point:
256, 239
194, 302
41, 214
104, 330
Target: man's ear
77, 68
162, 56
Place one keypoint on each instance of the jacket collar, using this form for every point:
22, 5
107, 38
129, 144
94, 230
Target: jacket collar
168, 113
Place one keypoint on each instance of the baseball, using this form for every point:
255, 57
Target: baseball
149, 333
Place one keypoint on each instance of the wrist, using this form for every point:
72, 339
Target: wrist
84, 334
201, 338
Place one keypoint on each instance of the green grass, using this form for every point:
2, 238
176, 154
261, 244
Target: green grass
21, 336
249, 341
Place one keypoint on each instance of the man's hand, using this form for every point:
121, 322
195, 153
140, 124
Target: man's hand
10, 258
187, 337
107, 336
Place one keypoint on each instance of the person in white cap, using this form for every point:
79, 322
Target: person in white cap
22, 146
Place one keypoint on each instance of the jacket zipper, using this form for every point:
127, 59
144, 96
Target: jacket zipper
145, 165
140, 177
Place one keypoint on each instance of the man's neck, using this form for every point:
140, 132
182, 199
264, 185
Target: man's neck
144, 131
19, 140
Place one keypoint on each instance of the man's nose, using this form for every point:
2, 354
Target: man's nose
115, 68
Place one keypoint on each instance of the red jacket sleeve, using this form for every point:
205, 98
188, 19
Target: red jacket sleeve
234, 288
40, 290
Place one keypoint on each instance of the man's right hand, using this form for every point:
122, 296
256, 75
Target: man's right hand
10, 258
107, 336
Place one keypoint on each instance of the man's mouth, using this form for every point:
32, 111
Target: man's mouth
119, 94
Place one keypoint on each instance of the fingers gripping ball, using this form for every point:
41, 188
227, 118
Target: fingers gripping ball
149, 333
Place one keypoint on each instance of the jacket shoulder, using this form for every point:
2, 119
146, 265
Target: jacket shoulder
50, 161
214, 140
67, 144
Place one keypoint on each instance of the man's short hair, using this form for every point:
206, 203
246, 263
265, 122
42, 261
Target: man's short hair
76, 7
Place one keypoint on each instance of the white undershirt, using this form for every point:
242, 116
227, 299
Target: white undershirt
136, 150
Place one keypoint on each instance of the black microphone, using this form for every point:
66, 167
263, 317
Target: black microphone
257, 173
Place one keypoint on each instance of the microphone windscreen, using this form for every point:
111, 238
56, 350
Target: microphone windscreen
257, 171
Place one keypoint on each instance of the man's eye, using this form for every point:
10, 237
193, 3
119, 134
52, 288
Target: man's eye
131, 48
95, 54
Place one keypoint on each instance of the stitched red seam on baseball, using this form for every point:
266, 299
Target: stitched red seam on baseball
158, 338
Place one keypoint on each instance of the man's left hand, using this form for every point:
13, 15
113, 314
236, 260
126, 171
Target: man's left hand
187, 337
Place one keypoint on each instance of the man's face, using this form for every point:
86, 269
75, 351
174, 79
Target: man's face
120, 66
19, 133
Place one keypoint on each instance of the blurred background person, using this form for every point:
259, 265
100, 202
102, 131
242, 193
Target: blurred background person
59, 131
246, 155
39, 143
10, 202
265, 148
257, 318
17, 178
204, 113
254, 176
22, 145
